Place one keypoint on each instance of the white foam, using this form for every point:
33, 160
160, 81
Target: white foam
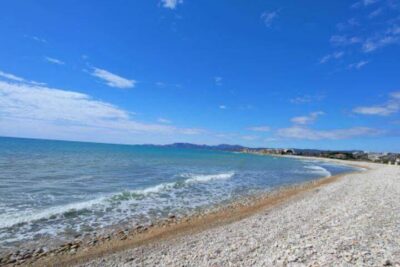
203, 178
155, 189
319, 170
29, 216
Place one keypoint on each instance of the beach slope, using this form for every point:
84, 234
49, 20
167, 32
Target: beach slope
355, 220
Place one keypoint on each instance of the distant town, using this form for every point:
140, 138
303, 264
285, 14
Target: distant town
357, 155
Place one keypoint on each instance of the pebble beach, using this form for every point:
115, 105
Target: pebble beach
344, 220
352, 221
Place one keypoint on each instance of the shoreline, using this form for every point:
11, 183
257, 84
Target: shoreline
84, 250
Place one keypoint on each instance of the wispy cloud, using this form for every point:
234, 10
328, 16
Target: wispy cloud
390, 107
10, 76
260, 129
364, 3
171, 4
301, 132
160, 84
54, 61
268, 17
306, 99
223, 107
377, 12
113, 80
362, 33
343, 40
350, 23
36, 38
165, 121
250, 137
16, 78
393, 30
335, 55
380, 37
307, 119
358, 65
369, 2
375, 43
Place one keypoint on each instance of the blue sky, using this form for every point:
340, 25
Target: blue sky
307, 74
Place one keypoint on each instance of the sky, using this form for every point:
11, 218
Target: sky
303, 74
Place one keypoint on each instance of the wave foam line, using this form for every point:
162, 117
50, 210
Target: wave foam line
319, 170
203, 178
26, 217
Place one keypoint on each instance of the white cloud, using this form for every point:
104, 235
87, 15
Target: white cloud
112, 79
269, 17
390, 107
36, 108
375, 110
223, 107
162, 120
171, 4
307, 119
335, 55
54, 60
358, 65
301, 132
260, 129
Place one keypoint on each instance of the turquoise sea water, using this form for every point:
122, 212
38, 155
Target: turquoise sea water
56, 188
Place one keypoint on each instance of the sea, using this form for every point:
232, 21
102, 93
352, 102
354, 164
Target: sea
58, 189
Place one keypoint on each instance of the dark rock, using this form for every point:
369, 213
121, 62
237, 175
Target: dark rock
129, 260
387, 263
12, 261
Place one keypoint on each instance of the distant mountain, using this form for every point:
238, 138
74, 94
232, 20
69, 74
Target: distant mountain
223, 147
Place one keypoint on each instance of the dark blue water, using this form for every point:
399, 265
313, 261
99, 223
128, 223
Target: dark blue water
56, 188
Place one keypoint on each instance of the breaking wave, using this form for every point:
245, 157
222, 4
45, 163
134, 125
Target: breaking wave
319, 170
104, 201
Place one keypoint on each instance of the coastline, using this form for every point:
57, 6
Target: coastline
84, 250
